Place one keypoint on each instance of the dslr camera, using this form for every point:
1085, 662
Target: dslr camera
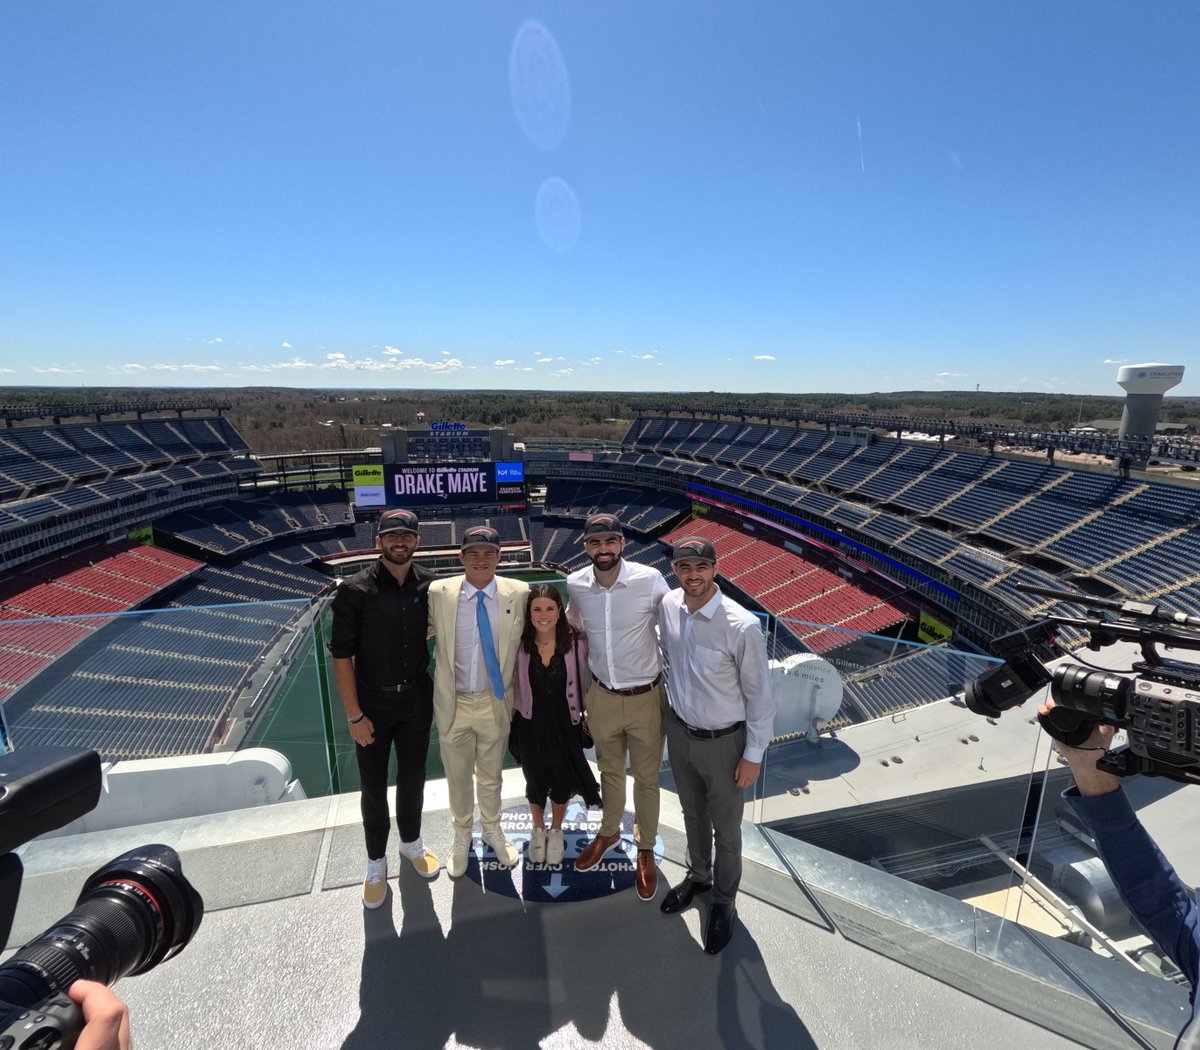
133, 913
1158, 705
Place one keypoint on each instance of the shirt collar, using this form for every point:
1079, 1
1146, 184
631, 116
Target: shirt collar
470, 590
709, 609
622, 579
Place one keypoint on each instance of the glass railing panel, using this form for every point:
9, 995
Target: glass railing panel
906, 805
878, 759
166, 683
203, 718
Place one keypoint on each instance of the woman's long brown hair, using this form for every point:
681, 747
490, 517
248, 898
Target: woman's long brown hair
564, 633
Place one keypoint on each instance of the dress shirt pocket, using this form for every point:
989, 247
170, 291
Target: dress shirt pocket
706, 661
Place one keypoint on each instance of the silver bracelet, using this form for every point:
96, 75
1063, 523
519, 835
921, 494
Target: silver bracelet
361, 715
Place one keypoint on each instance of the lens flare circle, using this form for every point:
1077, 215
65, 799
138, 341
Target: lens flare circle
540, 86
557, 213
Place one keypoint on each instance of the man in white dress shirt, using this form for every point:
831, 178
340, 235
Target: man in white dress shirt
615, 602
722, 714
477, 620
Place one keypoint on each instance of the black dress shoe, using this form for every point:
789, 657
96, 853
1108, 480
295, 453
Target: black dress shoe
679, 897
719, 928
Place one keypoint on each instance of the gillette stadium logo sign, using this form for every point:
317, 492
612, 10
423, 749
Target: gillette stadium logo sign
445, 426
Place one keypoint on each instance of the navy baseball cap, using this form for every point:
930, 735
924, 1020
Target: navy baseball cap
480, 536
693, 548
398, 521
602, 525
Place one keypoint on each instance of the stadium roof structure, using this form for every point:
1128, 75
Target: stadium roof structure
99, 410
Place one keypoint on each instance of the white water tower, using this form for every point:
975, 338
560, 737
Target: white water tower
1145, 386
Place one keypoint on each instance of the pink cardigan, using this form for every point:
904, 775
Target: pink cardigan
523, 695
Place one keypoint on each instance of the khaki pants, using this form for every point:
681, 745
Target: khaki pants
633, 725
473, 757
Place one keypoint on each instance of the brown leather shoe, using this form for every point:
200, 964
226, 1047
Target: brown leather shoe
594, 850
646, 874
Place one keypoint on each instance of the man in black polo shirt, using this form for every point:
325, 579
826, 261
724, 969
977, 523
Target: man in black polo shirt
381, 666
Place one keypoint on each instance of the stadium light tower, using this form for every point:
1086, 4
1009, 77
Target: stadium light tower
1144, 388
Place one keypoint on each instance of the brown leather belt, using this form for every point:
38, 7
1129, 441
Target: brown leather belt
707, 734
634, 690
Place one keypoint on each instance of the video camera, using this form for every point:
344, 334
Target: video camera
1158, 706
133, 913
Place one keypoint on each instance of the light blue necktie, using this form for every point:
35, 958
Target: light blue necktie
489, 646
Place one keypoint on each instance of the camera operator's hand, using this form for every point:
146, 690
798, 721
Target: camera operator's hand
1083, 759
106, 1018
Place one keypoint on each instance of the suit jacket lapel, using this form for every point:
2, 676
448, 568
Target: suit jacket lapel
504, 604
450, 611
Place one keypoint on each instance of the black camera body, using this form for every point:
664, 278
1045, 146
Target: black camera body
133, 913
1158, 705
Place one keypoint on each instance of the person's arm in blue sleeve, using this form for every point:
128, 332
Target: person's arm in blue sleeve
1145, 879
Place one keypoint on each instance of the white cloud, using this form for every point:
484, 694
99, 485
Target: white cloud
951, 375
563, 372
129, 368
526, 369
340, 362
445, 353
1115, 361
285, 346
5, 371
55, 371
764, 357
644, 357
545, 360
185, 368
505, 363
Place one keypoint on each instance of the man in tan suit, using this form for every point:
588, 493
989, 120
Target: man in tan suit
477, 619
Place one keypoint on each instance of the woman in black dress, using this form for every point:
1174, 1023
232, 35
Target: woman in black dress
547, 726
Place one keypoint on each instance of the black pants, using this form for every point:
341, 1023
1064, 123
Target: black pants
401, 722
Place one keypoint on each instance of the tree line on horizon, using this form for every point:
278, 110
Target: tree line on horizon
276, 420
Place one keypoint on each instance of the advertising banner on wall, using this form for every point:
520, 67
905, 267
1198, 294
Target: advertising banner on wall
931, 630
367, 479
425, 484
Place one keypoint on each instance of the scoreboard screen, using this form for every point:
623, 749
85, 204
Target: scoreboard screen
428, 484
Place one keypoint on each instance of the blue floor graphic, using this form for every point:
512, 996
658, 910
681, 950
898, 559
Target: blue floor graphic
556, 882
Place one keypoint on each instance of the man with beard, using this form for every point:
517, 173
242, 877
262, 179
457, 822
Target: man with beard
381, 667
719, 725
615, 602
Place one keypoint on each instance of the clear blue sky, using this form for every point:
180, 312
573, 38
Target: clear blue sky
786, 196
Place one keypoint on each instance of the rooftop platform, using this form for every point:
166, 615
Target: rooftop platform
287, 956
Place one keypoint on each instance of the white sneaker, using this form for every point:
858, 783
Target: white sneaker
506, 852
537, 846
421, 857
375, 884
457, 864
554, 846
